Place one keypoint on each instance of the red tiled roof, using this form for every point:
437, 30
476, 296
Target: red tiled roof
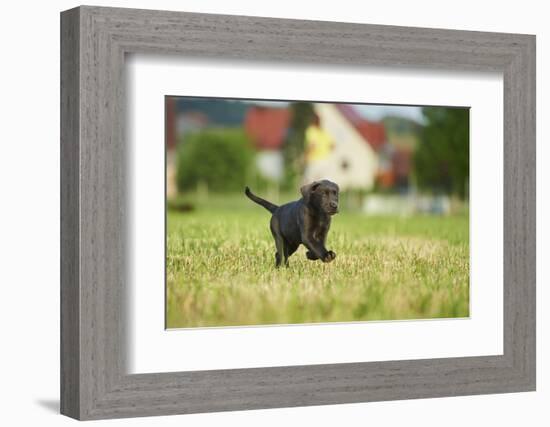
373, 132
267, 127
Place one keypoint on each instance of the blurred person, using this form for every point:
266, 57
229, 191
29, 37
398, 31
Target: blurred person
318, 147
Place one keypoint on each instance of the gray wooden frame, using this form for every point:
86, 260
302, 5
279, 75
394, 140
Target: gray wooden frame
94, 41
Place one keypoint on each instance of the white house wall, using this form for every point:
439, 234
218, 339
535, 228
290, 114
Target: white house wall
350, 148
270, 164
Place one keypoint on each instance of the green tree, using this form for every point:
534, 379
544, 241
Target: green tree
219, 158
302, 114
442, 160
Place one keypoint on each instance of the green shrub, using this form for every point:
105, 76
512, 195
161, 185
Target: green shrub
220, 159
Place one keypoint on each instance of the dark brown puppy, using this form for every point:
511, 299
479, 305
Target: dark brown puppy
305, 221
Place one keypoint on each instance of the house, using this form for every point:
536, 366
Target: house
344, 147
353, 162
267, 128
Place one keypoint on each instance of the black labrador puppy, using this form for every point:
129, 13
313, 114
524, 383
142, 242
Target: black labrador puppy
305, 221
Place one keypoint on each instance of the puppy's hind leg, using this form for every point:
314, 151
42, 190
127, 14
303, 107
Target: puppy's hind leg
280, 245
279, 242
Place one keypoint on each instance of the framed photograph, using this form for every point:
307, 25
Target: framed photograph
261, 213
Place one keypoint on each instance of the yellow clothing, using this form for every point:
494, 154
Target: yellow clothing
318, 144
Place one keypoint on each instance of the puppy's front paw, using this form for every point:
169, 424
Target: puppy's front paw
311, 256
329, 256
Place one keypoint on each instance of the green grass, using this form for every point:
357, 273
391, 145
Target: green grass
220, 269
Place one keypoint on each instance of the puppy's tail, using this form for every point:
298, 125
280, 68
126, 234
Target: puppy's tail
269, 206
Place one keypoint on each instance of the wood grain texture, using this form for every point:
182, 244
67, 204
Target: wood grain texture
95, 237
70, 259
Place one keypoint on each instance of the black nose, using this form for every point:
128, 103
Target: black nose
333, 205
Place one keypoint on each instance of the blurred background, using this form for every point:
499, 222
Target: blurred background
387, 159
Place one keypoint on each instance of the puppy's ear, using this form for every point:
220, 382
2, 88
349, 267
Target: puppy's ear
307, 189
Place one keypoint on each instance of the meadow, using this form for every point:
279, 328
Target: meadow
220, 268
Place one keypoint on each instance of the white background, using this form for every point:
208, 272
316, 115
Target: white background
152, 349
29, 218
